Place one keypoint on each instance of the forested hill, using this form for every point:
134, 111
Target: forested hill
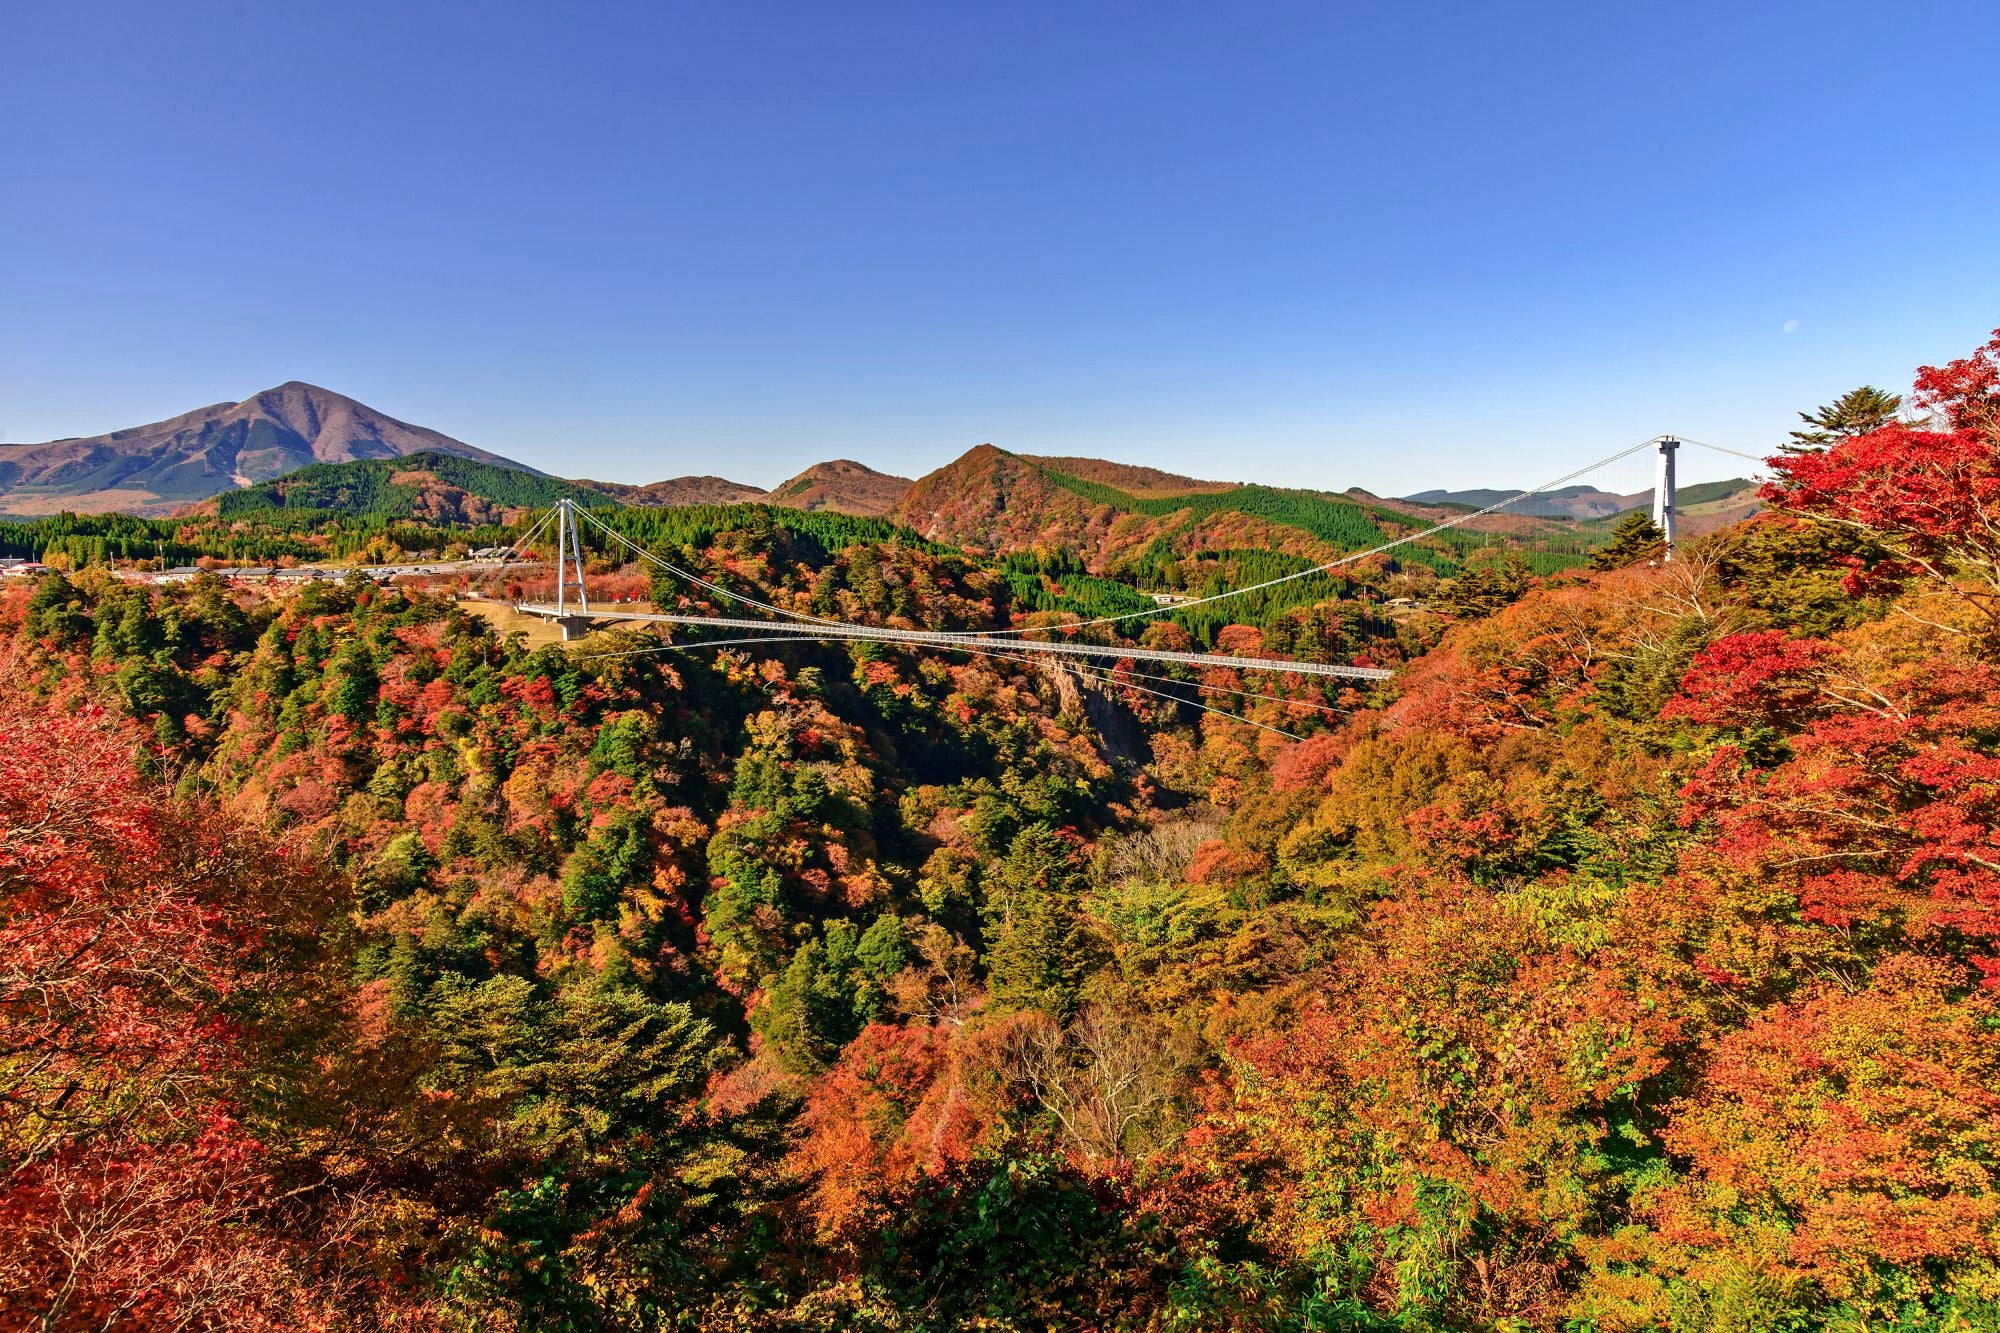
994, 500
434, 487
844, 486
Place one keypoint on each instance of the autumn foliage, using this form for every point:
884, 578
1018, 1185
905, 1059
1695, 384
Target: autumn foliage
135, 958
1629, 963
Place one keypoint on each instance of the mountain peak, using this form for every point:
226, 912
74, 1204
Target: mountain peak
296, 390
842, 485
161, 465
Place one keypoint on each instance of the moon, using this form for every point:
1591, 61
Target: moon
1791, 326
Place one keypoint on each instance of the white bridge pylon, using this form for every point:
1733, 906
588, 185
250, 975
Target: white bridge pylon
576, 616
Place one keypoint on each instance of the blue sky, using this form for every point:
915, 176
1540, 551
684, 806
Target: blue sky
1387, 245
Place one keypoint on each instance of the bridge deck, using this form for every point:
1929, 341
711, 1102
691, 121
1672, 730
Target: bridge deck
978, 642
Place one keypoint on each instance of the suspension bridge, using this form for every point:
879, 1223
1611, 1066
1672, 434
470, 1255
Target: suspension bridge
572, 611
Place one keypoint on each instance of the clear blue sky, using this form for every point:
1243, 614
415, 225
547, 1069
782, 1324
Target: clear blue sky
1388, 245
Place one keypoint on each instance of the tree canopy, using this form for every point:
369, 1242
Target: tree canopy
1628, 962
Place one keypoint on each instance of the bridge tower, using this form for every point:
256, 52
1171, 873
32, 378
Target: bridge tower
1665, 515
569, 544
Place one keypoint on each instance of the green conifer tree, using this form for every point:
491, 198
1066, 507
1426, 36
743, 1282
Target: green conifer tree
1856, 412
1635, 538
1040, 952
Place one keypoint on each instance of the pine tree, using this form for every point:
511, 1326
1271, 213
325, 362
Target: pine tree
1635, 538
351, 681
1040, 954
1856, 412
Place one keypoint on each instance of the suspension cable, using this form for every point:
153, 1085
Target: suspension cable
696, 579
1222, 689
1003, 656
1703, 444
816, 620
515, 546
1103, 675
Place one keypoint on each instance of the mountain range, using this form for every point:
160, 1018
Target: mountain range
160, 467
249, 455
1569, 502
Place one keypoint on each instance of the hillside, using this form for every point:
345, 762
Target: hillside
444, 489
1713, 505
839, 486
151, 468
844, 486
427, 487
990, 499
1144, 482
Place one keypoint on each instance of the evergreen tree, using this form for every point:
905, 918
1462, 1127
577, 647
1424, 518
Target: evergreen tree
1856, 412
884, 948
830, 990
616, 858
1482, 591
1040, 954
1635, 538
55, 609
663, 588
351, 681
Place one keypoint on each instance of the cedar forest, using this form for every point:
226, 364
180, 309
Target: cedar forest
1628, 962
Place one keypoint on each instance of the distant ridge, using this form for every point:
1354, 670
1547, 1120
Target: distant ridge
434, 486
1569, 502
1704, 506
160, 466
840, 485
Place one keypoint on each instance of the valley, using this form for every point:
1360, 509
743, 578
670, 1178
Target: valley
1175, 977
